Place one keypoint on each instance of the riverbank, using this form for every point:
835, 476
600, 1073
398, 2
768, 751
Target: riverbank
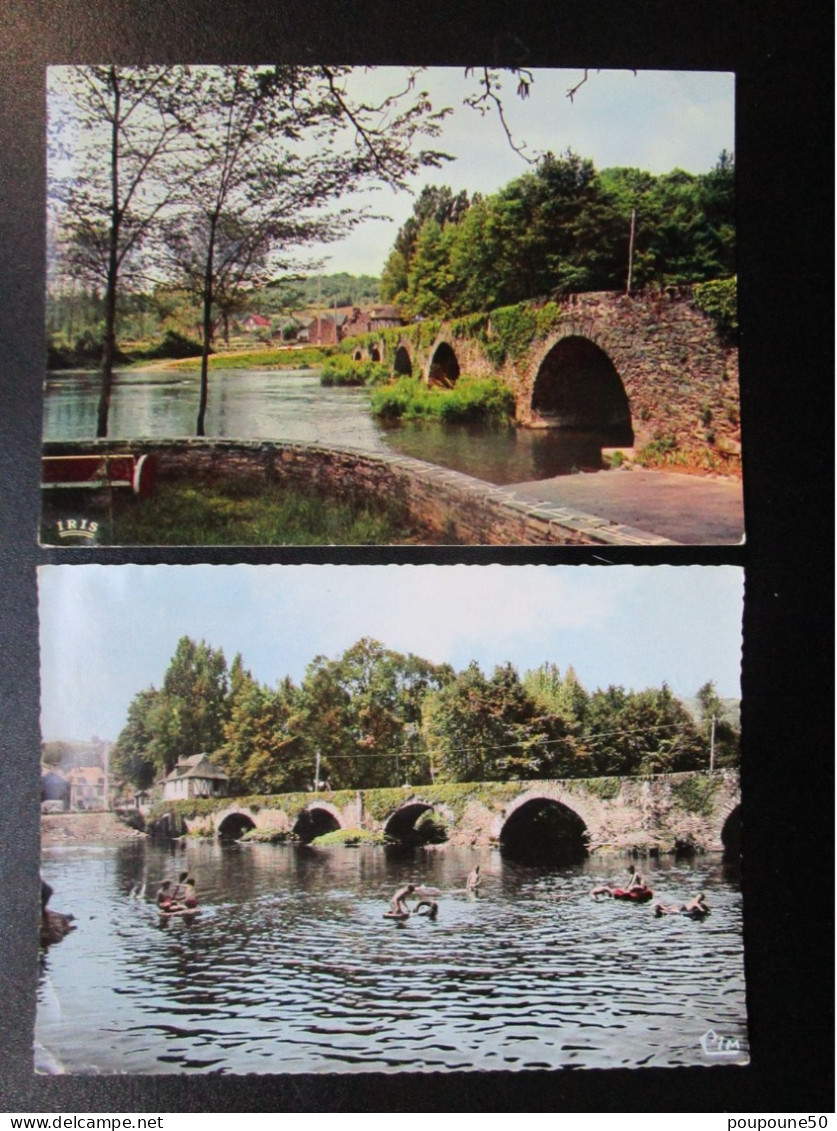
84, 828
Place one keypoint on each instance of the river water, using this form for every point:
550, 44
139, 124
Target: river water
293, 406
290, 966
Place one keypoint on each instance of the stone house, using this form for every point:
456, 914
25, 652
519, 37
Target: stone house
195, 776
324, 330
88, 788
367, 321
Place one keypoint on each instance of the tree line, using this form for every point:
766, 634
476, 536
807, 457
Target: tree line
374, 718
562, 227
166, 314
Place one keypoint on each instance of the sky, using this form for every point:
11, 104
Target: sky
108, 632
653, 120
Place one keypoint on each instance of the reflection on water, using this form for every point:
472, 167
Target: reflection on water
293, 406
290, 966
243, 404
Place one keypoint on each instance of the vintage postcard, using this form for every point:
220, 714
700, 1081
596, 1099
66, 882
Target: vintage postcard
343, 819
355, 305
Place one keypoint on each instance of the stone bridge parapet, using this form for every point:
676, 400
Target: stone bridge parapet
447, 505
661, 813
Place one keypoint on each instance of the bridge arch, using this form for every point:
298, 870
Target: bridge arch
414, 822
235, 825
316, 820
402, 364
577, 387
731, 835
444, 366
538, 826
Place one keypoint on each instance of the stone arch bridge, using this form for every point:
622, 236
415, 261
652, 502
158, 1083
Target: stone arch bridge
630, 369
687, 812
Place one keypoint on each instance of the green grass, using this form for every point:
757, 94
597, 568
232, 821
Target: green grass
236, 513
343, 370
471, 400
259, 359
350, 837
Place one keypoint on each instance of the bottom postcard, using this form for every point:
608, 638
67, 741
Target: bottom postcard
336, 819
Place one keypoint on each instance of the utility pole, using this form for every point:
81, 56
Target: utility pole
319, 315
631, 250
712, 746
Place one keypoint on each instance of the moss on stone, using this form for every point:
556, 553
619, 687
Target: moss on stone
696, 795
348, 837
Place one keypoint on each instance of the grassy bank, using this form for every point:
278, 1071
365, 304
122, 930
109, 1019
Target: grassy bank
343, 370
472, 400
241, 513
188, 358
307, 358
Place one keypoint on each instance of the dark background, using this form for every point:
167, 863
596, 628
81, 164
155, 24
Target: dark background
782, 55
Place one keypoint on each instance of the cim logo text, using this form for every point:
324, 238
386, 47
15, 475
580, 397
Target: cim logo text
715, 1045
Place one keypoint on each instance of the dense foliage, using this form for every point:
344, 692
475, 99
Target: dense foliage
563, 227
472, 400
377, 718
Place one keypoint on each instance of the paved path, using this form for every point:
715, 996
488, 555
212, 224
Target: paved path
692, 509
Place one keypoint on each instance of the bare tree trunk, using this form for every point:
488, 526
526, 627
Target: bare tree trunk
207, 331
109, 348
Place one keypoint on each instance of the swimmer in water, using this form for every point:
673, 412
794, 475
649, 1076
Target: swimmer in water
397, 904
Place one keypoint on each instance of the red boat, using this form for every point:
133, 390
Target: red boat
636, 895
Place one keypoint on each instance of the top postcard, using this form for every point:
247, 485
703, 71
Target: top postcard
331, 305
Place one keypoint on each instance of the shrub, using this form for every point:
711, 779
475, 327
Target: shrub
171, 345
696, 795
719, 300
514, 328
344, 370
348, 837
471, 400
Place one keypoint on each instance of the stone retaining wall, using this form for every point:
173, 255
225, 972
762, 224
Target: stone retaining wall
453, 507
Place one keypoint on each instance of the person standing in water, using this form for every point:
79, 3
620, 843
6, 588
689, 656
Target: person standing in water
397, 904
637, 880
474, 880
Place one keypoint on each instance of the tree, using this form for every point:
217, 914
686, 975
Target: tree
715, 717
363, 711
131, 757
274, 146
261, 751
125, 128
641, 732
481, 729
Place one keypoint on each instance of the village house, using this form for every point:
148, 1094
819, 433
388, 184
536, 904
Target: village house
55, 791
254, 323
88, 788
324, 330
194, 776
367, 321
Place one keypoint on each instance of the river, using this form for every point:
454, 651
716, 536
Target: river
290, 966
280, 404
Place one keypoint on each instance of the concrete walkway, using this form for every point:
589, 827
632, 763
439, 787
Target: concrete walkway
690, 509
